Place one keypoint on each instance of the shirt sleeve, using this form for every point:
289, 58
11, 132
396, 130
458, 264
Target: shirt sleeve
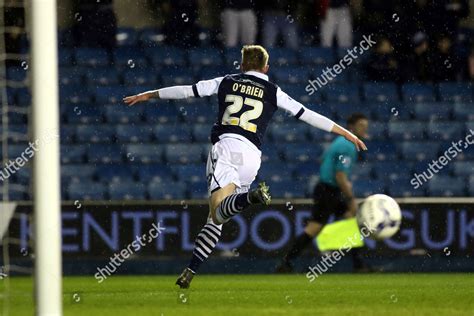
344, 160
299, 111
202, 88
205, 88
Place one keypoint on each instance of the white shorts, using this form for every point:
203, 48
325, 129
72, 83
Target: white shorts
231, 160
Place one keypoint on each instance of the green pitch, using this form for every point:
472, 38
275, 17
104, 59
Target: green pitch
331, 294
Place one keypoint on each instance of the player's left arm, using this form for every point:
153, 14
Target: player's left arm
299, 111
202, 88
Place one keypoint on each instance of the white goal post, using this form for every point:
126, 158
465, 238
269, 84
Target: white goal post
46, 177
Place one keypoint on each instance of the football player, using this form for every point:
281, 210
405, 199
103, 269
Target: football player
247, 102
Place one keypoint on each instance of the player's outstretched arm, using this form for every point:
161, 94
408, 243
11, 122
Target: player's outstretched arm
203, 88
314, 119
337, 129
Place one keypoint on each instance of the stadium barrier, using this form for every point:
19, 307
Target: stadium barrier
437, 234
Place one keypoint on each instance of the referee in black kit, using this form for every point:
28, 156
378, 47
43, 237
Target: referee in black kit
333, 194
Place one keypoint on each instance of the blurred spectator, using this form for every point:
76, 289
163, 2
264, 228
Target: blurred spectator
96, 24
180, 22
382, 64
417, 66
446, 14
14, 20
239, 22
444, 61
470, 65
336, 22
279, 17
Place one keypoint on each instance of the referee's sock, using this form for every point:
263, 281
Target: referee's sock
301, 242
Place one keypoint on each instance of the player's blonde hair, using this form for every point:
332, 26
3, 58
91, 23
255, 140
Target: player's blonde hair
254, 57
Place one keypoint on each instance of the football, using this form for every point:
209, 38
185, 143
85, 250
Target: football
381, 215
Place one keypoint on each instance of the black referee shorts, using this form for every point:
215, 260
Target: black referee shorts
328, 200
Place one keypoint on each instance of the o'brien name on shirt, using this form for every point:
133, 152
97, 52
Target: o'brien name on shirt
250, 90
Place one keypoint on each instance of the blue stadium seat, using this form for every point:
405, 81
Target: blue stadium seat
73, 153
163, 112
114, 173
341, 93
77, 172
362, 171
205, 57
406, 130
298, 92
291, 74
344, 110
201, 132
271, 153
463, 111
154, 172
446, 186
23, 176
130, 58
380, 92
65, 57
275, 172
302, 153
97, 134
71, 76
392, 170
134, 133
17, 133
16, 150
391, 111
118, 113
139, 77
126, 36
83, 113
445, 130
232, 58
417, 92
104, 153
455, 92
17, 117
23, 97
190, 173
381, 151
411, 151
295, 132
86, 191
462, 168
198, 113
104, 76
16, 73
364, 188
110, 94
377, 130
471, 185
317, 55
282, 56
127, 191
172, 133
67, 133
151, 37
144, 153
306, 170
433, 111
180, 153
176, 76
321, 72
166, 56
198, 190
17, 192
288, 189
166, 191
75, 94
91, 57
403, 188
